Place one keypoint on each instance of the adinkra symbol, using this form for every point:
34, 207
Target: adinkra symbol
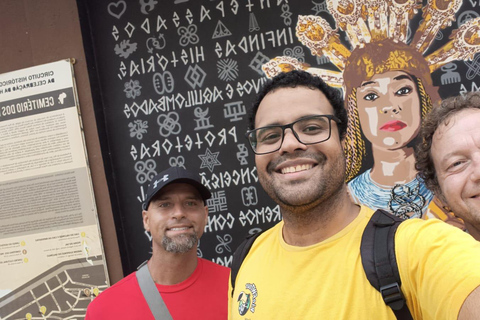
147, 6
117, 9
157, 43
221, 31
124, 49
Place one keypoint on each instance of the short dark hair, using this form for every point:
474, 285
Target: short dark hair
295, 79
438, 116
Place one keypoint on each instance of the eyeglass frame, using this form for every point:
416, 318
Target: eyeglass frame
290, 126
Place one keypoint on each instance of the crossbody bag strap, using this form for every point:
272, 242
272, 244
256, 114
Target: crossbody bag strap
151, 294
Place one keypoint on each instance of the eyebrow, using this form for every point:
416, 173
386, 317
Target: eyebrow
298, 119
446, 158
403, 76
400, 77
368, 82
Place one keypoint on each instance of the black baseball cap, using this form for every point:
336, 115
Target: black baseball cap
175, 174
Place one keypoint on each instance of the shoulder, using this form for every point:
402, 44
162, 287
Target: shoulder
419, 229
418, 239
124, 284
117, 292
437, 262
215, 267
213, 275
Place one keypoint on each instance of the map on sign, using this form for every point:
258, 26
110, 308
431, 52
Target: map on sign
62, 292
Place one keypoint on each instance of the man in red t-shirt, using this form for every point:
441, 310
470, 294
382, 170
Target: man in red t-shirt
175, 214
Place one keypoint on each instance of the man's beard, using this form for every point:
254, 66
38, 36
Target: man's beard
181, 243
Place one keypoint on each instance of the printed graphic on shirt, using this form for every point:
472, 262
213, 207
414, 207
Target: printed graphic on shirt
247, 299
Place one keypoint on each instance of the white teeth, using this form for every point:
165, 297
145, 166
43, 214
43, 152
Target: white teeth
178, 229
298, 168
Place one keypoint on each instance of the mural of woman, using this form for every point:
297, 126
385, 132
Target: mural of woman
388, 90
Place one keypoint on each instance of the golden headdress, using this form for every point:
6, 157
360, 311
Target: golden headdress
369, 22
377, 32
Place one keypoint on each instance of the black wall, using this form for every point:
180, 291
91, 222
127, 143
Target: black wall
172, 82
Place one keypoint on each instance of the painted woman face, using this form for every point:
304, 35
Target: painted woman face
389, 109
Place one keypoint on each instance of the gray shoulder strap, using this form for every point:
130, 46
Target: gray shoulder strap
151, 294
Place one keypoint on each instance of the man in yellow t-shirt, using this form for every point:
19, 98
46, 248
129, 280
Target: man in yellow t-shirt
449, 157
309, 266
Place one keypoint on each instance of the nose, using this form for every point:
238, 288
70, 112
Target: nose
475, 176
178, 212
391, 109
290, 143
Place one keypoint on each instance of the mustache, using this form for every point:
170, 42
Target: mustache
319, 157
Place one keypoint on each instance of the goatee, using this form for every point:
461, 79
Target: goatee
180, 244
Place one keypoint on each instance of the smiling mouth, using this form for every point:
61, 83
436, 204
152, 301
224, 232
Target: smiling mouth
393, 125
298, 168
179, 229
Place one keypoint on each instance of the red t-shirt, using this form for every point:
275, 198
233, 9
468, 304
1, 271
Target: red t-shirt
204, 295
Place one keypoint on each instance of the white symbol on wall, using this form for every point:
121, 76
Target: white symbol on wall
258, 61
203, 122
252, 23
163, 82
147, 6
450, 76
129, 28
177, 162
249, 196
117, 9
209, 160
138, 128
157, 43
169, 124
188, 35
234, 110
221, 31
132, 89
145, 170
218, 202
199, 252
466, 16
223, 243
242, 154
319, 7
195, 76
322, 60
227, 69
124, 49
295, 52
286, 14
473, 67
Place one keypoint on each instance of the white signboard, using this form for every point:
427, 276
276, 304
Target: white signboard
51, 255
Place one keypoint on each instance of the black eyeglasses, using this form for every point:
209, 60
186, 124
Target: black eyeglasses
308, 130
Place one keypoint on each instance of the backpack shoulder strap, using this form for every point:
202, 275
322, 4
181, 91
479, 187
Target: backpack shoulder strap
379, 261
151, 294
239, 255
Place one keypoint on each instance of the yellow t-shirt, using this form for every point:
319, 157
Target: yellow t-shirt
327, 280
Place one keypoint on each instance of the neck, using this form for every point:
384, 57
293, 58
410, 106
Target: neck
473, 230
393, 167
169, 268
307, 226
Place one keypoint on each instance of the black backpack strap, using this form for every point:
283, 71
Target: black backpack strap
380, 263
239, 255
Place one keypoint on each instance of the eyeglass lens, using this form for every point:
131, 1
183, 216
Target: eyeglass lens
307, 131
